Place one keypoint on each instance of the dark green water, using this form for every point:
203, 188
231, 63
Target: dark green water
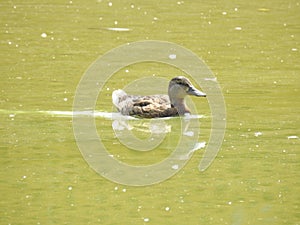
252, 48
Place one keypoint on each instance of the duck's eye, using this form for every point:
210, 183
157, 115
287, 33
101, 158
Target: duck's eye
180, 82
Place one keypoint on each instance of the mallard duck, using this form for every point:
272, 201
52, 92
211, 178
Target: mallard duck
152, 106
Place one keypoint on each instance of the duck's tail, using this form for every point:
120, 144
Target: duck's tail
117, 97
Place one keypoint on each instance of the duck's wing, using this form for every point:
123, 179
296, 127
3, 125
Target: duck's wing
151, 99
152, 106
143, 106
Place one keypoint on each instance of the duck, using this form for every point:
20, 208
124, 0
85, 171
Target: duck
159, 105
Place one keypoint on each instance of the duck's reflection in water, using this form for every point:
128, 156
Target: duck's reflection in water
151, 133
148, 134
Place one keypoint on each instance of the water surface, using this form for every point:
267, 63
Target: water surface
253, 49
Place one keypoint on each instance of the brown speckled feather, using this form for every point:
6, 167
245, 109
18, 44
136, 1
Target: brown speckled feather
148, 106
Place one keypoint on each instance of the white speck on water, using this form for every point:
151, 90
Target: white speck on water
116, 22
229, 203
70, 188
211, 79
181, 200
12, 115
107, 89
132, 6
43, 35
256, 134
126, 71
175, 167
197, 146
263, 10
65, 99
238, 28
146, 220
155, 18
118, 28
236, 9
24, 177
224, 13
124, 190
110, 4
293, 137
294, 49
116, 188
189, 133
172, 56
167, 208
9, 42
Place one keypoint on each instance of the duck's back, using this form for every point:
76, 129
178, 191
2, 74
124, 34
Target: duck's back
143, 106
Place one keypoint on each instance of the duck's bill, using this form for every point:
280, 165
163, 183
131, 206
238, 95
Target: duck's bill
196, 92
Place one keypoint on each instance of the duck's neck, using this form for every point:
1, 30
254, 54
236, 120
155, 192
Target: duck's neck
180, 105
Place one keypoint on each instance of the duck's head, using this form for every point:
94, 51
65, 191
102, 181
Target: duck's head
179, 87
